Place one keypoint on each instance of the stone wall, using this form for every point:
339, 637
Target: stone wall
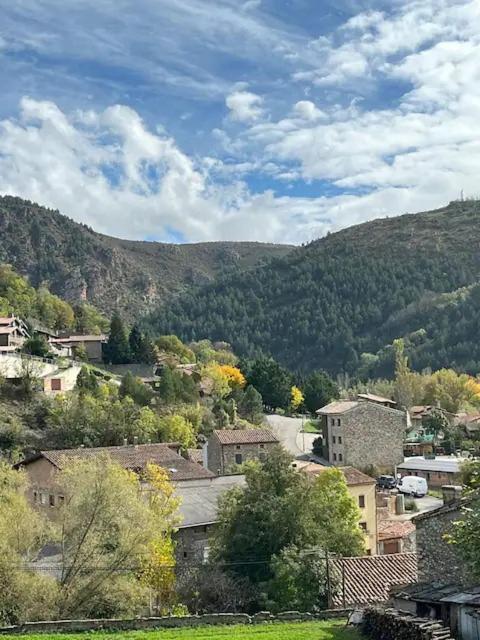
221, 459
438, 560
390, 624
192, 542
373, 435
262, 617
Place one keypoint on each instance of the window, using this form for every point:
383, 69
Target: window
60, 500
35, 496
339, 439
361, 502
238, 446
338, 422
238, 458
428, 475
262, 446
334, 439
56, 384
363, 526
340, 457
332, 422
43, 498
262, 456
335, 456
185, 554
51, 500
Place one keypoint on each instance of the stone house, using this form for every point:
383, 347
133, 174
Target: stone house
45, 494
227, 449
360, 433
362, 488
13, 333
93, 344
439, 561
199, 515
371, 397
61, 380
437, 471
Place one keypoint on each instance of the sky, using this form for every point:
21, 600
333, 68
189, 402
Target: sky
267, 120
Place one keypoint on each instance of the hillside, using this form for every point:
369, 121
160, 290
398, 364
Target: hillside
351, 293
78, 263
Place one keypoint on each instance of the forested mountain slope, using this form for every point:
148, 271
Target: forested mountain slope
112, 273
325, 304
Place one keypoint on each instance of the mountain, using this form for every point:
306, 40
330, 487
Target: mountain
339, 302
78, 263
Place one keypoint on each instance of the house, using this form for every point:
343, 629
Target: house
439, 561
368, 579
45, 494
13, 333
199, 514
418, 413
360, 434
362, 488
437, 471
370, 397
91, 343
470, 422
227, 449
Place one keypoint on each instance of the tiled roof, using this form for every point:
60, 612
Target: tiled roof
352, 476
455, 505
244, 436
373, 398
134, 457
339, 406
389, 529
368, 579
195, 455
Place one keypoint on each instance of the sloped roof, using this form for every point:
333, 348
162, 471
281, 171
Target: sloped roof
455, 505
195, 455
133, 457
79, 338
368, 579
352, 476
199, 500
373, 398
244, 436
441, 592
445, 464
390, 529
339, 406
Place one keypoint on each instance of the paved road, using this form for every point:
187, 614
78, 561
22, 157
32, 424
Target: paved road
288, 431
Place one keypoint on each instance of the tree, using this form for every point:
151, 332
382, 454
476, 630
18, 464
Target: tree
133, 387
296, 398
88, 320
80, 352
175, 428
258, 521
335, 515
87, 380
250, 405
173, 345
117, 350
105, 532
435, 424
299, 581
272, 381
218, 380
409, 386
317, 447
135, 340
23, 595
235, 378
452, 391
36, 346
319, 389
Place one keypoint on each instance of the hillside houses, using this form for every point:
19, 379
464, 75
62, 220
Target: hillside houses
227, 449
13, 333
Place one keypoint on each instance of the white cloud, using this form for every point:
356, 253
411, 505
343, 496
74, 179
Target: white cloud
244, 106
307, 110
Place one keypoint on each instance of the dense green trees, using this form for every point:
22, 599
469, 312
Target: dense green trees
272, 381
318, 390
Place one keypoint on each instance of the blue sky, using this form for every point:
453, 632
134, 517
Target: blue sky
270, 120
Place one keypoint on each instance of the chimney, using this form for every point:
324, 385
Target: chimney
125, 442
451, 493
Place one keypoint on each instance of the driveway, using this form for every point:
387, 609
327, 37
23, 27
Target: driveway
289, 432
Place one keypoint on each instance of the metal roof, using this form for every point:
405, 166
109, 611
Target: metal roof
419, 463
199, 499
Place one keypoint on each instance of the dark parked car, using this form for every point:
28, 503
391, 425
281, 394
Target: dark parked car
386, 482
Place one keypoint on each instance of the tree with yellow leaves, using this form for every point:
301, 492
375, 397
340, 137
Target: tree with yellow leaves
296, 398
235, 378
452, 391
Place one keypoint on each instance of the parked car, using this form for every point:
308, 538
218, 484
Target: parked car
413, 486
386, 482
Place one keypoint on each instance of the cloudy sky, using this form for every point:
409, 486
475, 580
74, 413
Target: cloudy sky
271, 120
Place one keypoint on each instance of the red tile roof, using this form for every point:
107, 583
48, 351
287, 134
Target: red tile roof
195, 455
352, 476
244, 436
134, 457
368, 579
390, 529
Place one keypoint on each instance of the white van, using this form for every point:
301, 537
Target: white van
413, 486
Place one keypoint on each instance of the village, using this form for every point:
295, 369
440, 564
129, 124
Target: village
406, 484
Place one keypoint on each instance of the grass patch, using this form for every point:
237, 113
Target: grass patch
321, 630
311, 426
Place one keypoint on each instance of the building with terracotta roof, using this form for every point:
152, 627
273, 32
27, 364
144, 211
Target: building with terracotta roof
13, 333
362, 488
227, 449
43, 467
371, 397
395, 536
360, 433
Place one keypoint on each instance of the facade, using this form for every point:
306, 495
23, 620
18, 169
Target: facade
227, 449
91, 343
437, 471
439, 561
362, 488
362, 433
13, 333
61, 380
396, 536
45, 494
